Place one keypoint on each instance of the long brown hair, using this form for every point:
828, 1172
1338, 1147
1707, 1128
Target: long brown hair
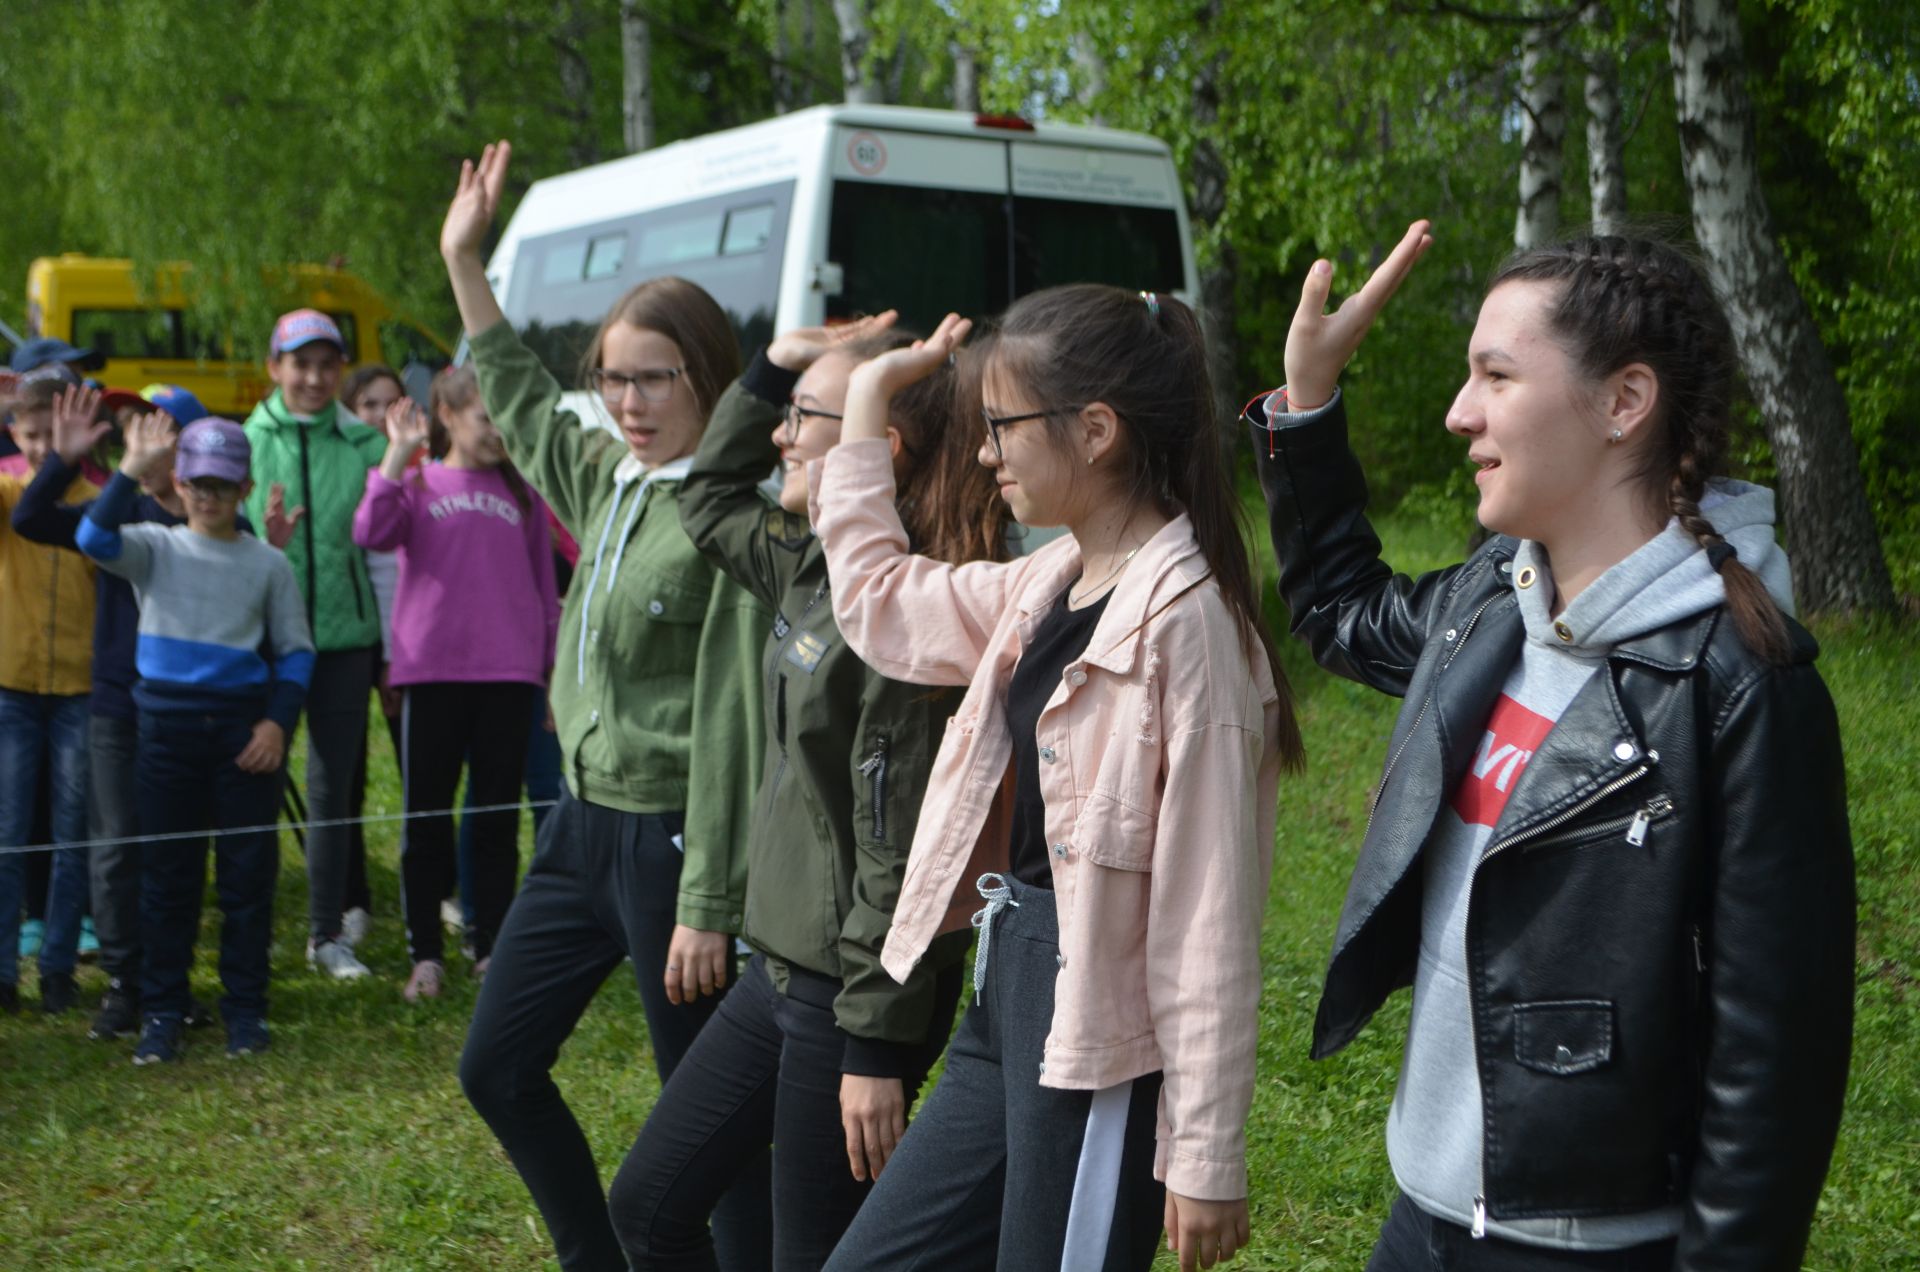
455, 389
684, 313
947, 499
1626, 300
1144, 356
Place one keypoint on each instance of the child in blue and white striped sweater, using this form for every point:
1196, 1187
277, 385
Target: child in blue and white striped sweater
215, 715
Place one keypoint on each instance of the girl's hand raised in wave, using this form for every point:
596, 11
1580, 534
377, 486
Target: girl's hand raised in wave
1320, 344
800, 348
475, 200
406, 427
876, 380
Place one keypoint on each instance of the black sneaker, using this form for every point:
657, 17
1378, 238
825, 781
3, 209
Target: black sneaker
246, 1036
159, 1041
118, 1016
10, 999
58, 993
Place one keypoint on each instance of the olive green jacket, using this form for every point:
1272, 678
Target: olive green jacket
657, 678
849, 756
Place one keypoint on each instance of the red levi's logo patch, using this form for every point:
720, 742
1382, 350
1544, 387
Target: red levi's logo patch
1513, 733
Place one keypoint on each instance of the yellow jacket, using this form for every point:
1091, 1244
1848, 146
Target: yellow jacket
46, 605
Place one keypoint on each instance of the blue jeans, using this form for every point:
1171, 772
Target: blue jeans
188, 782
33, 725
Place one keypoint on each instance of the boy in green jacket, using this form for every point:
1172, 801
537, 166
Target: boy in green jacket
303, 442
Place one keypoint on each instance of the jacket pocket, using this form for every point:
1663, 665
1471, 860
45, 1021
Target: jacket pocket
1112, 832
874, 769
1563, 1038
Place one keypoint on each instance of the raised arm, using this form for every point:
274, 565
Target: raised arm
385, 514
41, 515
150, 441
909, 617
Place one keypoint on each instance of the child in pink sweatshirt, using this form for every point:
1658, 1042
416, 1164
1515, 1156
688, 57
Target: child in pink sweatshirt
475, 617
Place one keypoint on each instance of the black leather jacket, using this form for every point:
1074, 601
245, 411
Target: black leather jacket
1660, 932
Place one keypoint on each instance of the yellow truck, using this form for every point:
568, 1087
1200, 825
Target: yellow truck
147, 333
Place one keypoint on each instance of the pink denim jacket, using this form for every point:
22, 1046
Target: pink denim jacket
1160, 768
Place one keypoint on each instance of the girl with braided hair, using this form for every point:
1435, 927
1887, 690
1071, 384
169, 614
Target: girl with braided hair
1609, 850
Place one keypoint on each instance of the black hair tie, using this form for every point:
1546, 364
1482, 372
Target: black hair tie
1718, 554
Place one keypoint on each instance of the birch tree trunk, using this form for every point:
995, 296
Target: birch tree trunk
1606, 169
1543, 130
636, 65
1091, 66
1837, 559
1207, 176
783, 96
571, 38
856, 36
966, 78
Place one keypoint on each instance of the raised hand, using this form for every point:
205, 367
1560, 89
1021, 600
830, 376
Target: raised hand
280, 523
407, 430
1320, 344
475, 200
74, 430
150, 440
799, 349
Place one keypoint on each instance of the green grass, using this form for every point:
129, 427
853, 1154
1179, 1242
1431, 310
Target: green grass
350, 1145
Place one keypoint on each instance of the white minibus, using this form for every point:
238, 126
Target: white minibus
836, 211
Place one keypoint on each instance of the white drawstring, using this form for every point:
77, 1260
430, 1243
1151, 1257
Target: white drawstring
998, 896
679, 468
586, 610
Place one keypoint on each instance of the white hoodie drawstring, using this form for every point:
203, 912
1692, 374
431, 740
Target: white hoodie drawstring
679, 468
998, 896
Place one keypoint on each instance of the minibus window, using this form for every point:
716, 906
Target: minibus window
1071, 241
566, 263
922, 251
674, 242
748, 230
605, 253
128, 333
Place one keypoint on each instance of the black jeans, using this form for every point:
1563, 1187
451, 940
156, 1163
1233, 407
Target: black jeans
114, 869
188, 781
602, 887
336, 750
1413, 1241
765, 1070
443, 726
999, 1171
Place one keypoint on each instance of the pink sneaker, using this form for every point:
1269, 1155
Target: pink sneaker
428, 974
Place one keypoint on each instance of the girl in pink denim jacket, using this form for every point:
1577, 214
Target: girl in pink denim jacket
1106, 788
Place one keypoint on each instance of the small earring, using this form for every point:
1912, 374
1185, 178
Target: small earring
1615, 437
1089, 461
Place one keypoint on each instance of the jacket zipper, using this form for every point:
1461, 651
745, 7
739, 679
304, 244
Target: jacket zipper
1636, 826
1466, 630
53, 615
875, 771
306, 524
1552, 823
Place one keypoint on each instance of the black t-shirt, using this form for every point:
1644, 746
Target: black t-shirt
1060, 639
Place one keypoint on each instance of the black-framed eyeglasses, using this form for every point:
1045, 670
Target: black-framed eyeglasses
655, 384
997, 422
213, 489
795, 415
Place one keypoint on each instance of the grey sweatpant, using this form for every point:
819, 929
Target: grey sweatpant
998, 1171
336, 743
114, 869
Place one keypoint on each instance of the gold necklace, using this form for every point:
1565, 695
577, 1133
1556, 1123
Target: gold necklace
1073, 604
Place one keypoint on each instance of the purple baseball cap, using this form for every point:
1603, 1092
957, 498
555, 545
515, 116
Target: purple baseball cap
213, 447
302, 327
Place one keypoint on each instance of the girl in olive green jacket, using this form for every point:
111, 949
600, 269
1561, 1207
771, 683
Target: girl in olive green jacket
655, 693
815, 1018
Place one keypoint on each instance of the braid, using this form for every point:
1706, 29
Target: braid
1635, 300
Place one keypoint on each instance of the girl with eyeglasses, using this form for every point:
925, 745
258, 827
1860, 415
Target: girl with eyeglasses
655, 694
817, 1051
1101, 808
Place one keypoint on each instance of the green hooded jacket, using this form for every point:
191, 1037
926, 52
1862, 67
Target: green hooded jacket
656, 683
849, 755
322, 460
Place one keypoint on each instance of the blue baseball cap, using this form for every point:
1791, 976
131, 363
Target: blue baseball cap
46, 351
177, 402
213, 447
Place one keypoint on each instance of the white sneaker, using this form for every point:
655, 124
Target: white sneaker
336, 960
353, 926
452, 917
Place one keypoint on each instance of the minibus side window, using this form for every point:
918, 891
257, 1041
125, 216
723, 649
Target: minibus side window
1072, 241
